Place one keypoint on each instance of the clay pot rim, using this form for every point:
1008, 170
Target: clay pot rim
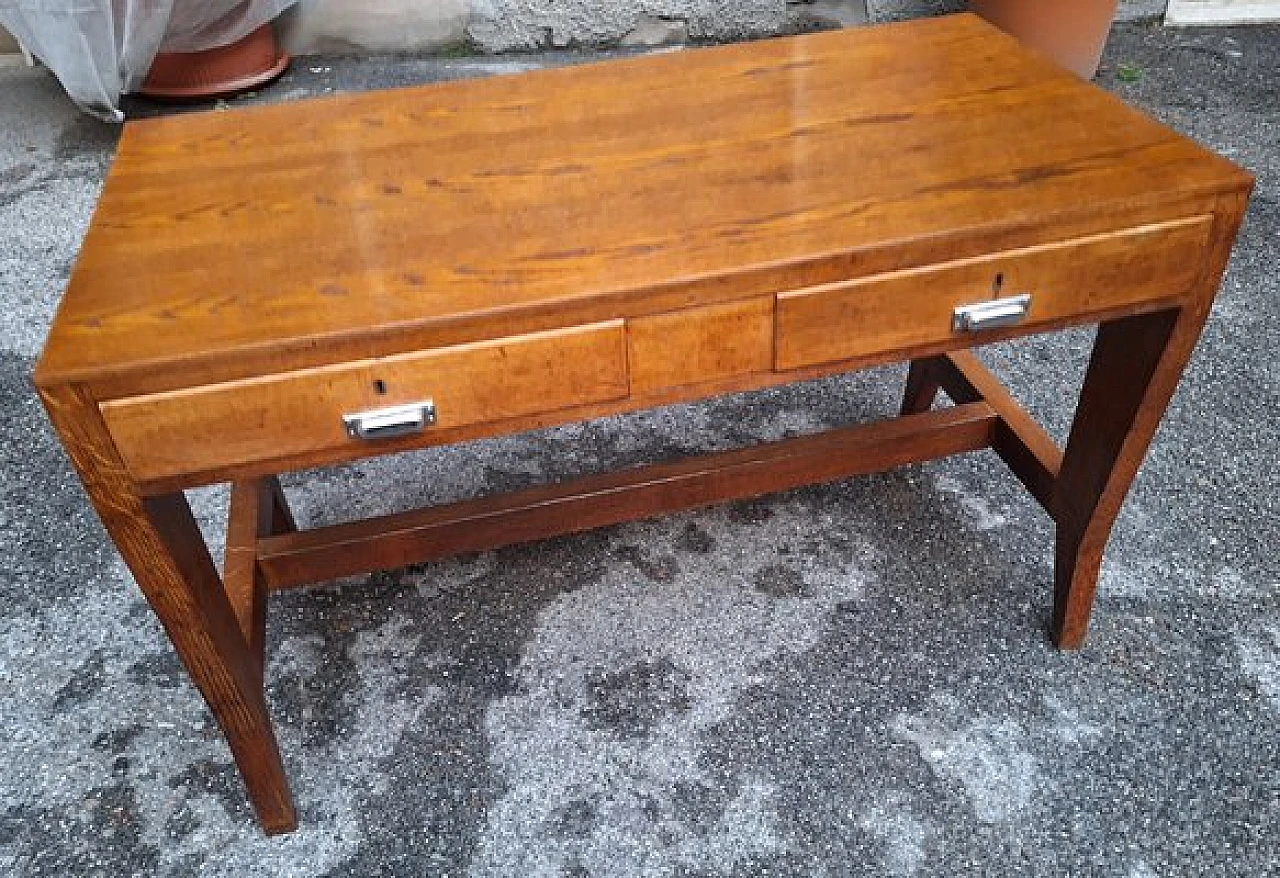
253, 60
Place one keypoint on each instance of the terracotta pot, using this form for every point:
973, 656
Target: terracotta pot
254, 60
1070, 32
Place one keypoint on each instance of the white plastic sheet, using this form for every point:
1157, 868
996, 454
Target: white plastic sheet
100, 49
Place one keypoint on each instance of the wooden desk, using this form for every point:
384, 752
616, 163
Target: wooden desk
501, 255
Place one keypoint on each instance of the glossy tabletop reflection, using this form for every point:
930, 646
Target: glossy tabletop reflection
447, 207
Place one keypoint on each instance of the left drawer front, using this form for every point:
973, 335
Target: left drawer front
300, 413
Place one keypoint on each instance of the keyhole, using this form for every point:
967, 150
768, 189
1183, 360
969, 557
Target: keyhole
997, 283
380, 387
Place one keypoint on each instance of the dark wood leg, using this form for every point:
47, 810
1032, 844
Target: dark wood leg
922, 386
258, 509
1132, 374
161, 543
1018, 439
281, 516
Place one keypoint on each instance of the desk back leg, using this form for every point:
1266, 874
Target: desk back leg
1132, 374
922, 386
161, 543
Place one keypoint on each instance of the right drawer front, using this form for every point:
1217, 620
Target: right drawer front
1067, 279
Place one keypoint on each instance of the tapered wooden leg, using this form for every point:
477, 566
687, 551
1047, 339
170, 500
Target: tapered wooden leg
161, 543
922, 386
258, 509
1132, 373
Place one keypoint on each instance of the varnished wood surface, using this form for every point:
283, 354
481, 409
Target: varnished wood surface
477, 525
164, 549
1132, 374
640, 399
239, 422
1078, 277
697, 346
264, 239
257, 509
581, 242
1020, 441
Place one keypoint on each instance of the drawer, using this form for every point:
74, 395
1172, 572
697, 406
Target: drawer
1067, 279
300, 413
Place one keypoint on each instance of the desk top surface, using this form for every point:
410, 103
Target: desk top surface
260, 237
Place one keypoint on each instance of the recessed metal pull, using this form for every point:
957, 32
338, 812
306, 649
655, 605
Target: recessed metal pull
989, 315
397, 420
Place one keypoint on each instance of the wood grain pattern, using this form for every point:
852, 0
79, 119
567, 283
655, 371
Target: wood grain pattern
162, 545
700, 345
637, 401
1079, 277
463, 211
257, 509
1132, 374
477, 525
580, 242
301, 412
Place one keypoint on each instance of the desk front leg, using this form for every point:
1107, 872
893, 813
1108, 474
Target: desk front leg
161, 543
1132, 373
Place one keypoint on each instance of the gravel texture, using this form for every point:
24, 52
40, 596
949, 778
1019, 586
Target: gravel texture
845, 680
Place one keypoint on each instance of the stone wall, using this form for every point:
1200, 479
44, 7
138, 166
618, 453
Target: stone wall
524, 25
357, 26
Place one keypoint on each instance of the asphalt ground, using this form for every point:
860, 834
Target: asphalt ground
844, 680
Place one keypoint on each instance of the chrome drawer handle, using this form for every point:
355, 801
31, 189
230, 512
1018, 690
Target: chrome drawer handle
398, 420
989, 315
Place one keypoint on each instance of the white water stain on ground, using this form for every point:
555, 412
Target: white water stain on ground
31, 278
136, 738
977, 507
990, 758
1260, 659
1129, 578
907, 839
607, 728
329, 782
1150, 578
1069, 726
